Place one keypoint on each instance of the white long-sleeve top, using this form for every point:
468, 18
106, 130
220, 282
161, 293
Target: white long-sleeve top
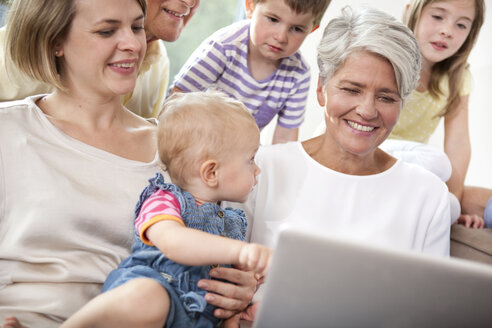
405, 207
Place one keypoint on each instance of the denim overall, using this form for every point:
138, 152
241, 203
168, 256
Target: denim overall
188, 305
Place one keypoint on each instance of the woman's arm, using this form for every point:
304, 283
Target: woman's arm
457, 146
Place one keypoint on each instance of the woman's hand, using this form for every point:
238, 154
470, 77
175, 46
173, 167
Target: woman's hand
233, 295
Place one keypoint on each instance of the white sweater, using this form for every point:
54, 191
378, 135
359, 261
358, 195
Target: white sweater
406, 207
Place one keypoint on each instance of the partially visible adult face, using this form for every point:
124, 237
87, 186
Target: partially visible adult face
362, 104
166, 18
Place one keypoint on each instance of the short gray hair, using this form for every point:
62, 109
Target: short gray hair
374, 31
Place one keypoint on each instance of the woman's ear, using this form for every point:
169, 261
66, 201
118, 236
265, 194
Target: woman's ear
320, 93
250, 7
58, 49
209, 173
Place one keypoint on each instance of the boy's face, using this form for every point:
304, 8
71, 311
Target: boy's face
276, 30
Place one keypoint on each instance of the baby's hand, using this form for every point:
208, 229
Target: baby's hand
255, 257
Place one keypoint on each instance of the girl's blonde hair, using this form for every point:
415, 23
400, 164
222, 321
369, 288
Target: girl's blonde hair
34, 29
197, 126
455, 65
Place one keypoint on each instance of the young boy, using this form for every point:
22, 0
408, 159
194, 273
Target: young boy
257, 62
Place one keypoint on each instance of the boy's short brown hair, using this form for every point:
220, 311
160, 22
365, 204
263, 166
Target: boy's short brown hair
316, 7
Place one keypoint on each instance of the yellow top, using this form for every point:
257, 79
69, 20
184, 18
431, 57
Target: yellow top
146, 99
419, 117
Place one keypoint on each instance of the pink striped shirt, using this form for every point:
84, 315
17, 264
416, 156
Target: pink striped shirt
161, 205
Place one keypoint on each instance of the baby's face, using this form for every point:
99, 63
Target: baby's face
239, 169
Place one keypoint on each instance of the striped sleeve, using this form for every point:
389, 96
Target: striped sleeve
203, 68
161, 205
292, 114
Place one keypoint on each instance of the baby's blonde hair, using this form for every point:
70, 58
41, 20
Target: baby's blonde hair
197, 126
455, 65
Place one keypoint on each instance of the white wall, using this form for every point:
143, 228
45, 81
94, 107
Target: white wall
480, 170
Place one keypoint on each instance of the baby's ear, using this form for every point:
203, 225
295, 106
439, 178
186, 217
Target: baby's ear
208, 173
250, 7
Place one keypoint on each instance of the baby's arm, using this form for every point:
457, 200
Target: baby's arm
194, 247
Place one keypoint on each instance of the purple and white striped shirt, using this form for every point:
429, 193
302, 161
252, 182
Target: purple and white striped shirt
221, 62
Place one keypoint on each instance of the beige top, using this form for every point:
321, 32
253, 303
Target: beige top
66, 215
419, 117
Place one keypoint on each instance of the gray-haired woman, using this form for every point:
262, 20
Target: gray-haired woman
340, 182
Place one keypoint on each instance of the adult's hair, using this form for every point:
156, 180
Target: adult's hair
376, 32
453, 66
34, 28
197, 126
316, 7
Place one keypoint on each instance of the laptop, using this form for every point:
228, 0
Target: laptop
317, 281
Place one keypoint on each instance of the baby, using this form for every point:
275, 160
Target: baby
207, 143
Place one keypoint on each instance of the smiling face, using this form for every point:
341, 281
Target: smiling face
166, 18
276, 30
104, 48
443, 28
362, 105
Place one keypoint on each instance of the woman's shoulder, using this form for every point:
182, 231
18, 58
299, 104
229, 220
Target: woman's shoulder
17, 110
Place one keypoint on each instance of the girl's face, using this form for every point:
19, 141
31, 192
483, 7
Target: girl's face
443, 28
104, 48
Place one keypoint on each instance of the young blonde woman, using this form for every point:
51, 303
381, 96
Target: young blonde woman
72, 162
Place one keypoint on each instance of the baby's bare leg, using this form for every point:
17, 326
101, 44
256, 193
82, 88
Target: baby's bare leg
11, 322
140, 302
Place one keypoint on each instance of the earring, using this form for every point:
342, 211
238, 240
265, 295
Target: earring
56, 52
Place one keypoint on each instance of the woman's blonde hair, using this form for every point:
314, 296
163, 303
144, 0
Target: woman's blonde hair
34, 29
453, 66
197, 126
